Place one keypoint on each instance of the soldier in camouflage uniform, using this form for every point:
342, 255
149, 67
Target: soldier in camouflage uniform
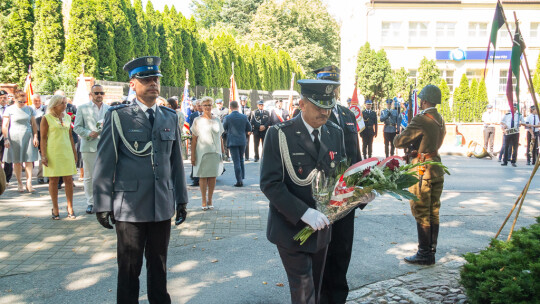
426, 133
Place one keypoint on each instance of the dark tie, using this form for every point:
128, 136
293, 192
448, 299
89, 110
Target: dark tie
316, 141
512, 123
150, 116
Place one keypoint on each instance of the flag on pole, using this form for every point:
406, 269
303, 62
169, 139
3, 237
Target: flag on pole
291, 108
28, 87
185, 98
413, 107
233, 92
360, 124
515, 61
498, 22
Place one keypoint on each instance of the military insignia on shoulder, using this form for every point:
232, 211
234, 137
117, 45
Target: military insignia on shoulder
283, 124
114, 108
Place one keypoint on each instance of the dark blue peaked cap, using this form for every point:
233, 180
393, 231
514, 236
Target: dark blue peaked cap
330, 72
143, 67
319, 92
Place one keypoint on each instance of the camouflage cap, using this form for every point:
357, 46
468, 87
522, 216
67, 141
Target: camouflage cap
431, 93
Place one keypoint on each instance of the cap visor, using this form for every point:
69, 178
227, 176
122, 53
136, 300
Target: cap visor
148, 75
325, 104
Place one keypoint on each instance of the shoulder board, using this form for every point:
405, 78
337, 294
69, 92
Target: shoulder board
507, 114
283, 124
332, 124
114, 108
168, 109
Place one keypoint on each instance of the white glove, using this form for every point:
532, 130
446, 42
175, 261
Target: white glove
315, 219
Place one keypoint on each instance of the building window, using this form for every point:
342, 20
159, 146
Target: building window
418, 31
445, 30
504, 37
503, 78
535, 31
477, 29
448, 76
390, 32
475, 74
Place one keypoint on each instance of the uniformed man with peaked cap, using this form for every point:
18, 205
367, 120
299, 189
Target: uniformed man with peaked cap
139, 182
426, 133
371, 129
260, 121
311, 144
334, 285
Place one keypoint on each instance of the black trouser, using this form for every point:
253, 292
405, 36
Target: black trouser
534, 152
258, 137
334, 287
512, 143
134, 240
224, 137
8, 167
367, 144
304, 271
247, 147
389, 140
503, 148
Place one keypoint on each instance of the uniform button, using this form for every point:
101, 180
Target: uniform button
156, 151
157, 178
156, 164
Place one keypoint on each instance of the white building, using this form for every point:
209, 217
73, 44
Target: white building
454, 33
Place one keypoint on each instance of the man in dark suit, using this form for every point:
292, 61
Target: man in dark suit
244, 109
139, 182
279, 114
334, 287
237, 126
8, 167
260, 121
312, 144
197, 111
370, 119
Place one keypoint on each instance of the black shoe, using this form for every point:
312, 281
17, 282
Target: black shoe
504, 164
41, 180
256, 160
195, 184
239, 184
59, 186
90, 209
528, 163
514, 165
424, 255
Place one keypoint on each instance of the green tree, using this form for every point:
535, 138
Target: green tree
152, 37
428, 73
239, 14
18, 41
139, 29
460, 106
444, 107
187, 46
473, 101
310, 36
81, 42
123, 40
481, 100
402, 83
207, 11
107, 67
536, 77
374, 74
49, 40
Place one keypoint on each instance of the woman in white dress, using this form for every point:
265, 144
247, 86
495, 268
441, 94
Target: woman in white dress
206, 151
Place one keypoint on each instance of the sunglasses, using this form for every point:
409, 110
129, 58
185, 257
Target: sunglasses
21, 101
99, 93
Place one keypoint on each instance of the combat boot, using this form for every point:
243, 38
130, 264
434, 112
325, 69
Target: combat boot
423, 256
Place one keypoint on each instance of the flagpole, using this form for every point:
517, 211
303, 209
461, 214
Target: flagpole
528, 74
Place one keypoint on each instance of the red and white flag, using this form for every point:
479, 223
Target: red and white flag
28, 87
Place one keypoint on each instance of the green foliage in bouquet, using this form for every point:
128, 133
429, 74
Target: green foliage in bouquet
506, 272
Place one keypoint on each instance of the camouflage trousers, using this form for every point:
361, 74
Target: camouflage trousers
426, 209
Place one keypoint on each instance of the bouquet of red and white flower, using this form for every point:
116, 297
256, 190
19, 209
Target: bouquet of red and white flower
357, 185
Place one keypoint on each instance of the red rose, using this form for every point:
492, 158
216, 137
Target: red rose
393, 164
366, 172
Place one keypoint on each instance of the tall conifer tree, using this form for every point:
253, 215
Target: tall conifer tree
123, 40
81, 43
152, 35
49, 40
107, 66
139, 30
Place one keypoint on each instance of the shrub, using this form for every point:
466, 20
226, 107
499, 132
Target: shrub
506, 272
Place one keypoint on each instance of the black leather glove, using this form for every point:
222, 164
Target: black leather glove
181, 214
103, 219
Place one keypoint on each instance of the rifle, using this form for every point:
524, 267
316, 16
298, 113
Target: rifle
411, 151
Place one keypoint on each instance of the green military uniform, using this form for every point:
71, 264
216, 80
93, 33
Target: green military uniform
426, 133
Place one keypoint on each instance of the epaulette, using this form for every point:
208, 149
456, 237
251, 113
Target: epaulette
168, 109
283, 124
330, 123
114, 108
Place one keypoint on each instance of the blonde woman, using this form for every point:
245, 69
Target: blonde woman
58, 152
206, 151
20, 139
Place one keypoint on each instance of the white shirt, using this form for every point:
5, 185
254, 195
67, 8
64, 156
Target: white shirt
38, 111
507, 120
489, 119
532, 119
99, 112
310, 129
144, 108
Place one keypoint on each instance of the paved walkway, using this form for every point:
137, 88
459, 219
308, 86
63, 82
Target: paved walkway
222, 256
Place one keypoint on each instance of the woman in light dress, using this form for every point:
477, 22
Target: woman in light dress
58, 152
206, 151
20, 139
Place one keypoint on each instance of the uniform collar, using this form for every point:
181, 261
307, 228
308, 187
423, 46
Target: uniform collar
143, 106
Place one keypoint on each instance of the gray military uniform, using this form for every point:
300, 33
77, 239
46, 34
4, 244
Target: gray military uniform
140, 188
